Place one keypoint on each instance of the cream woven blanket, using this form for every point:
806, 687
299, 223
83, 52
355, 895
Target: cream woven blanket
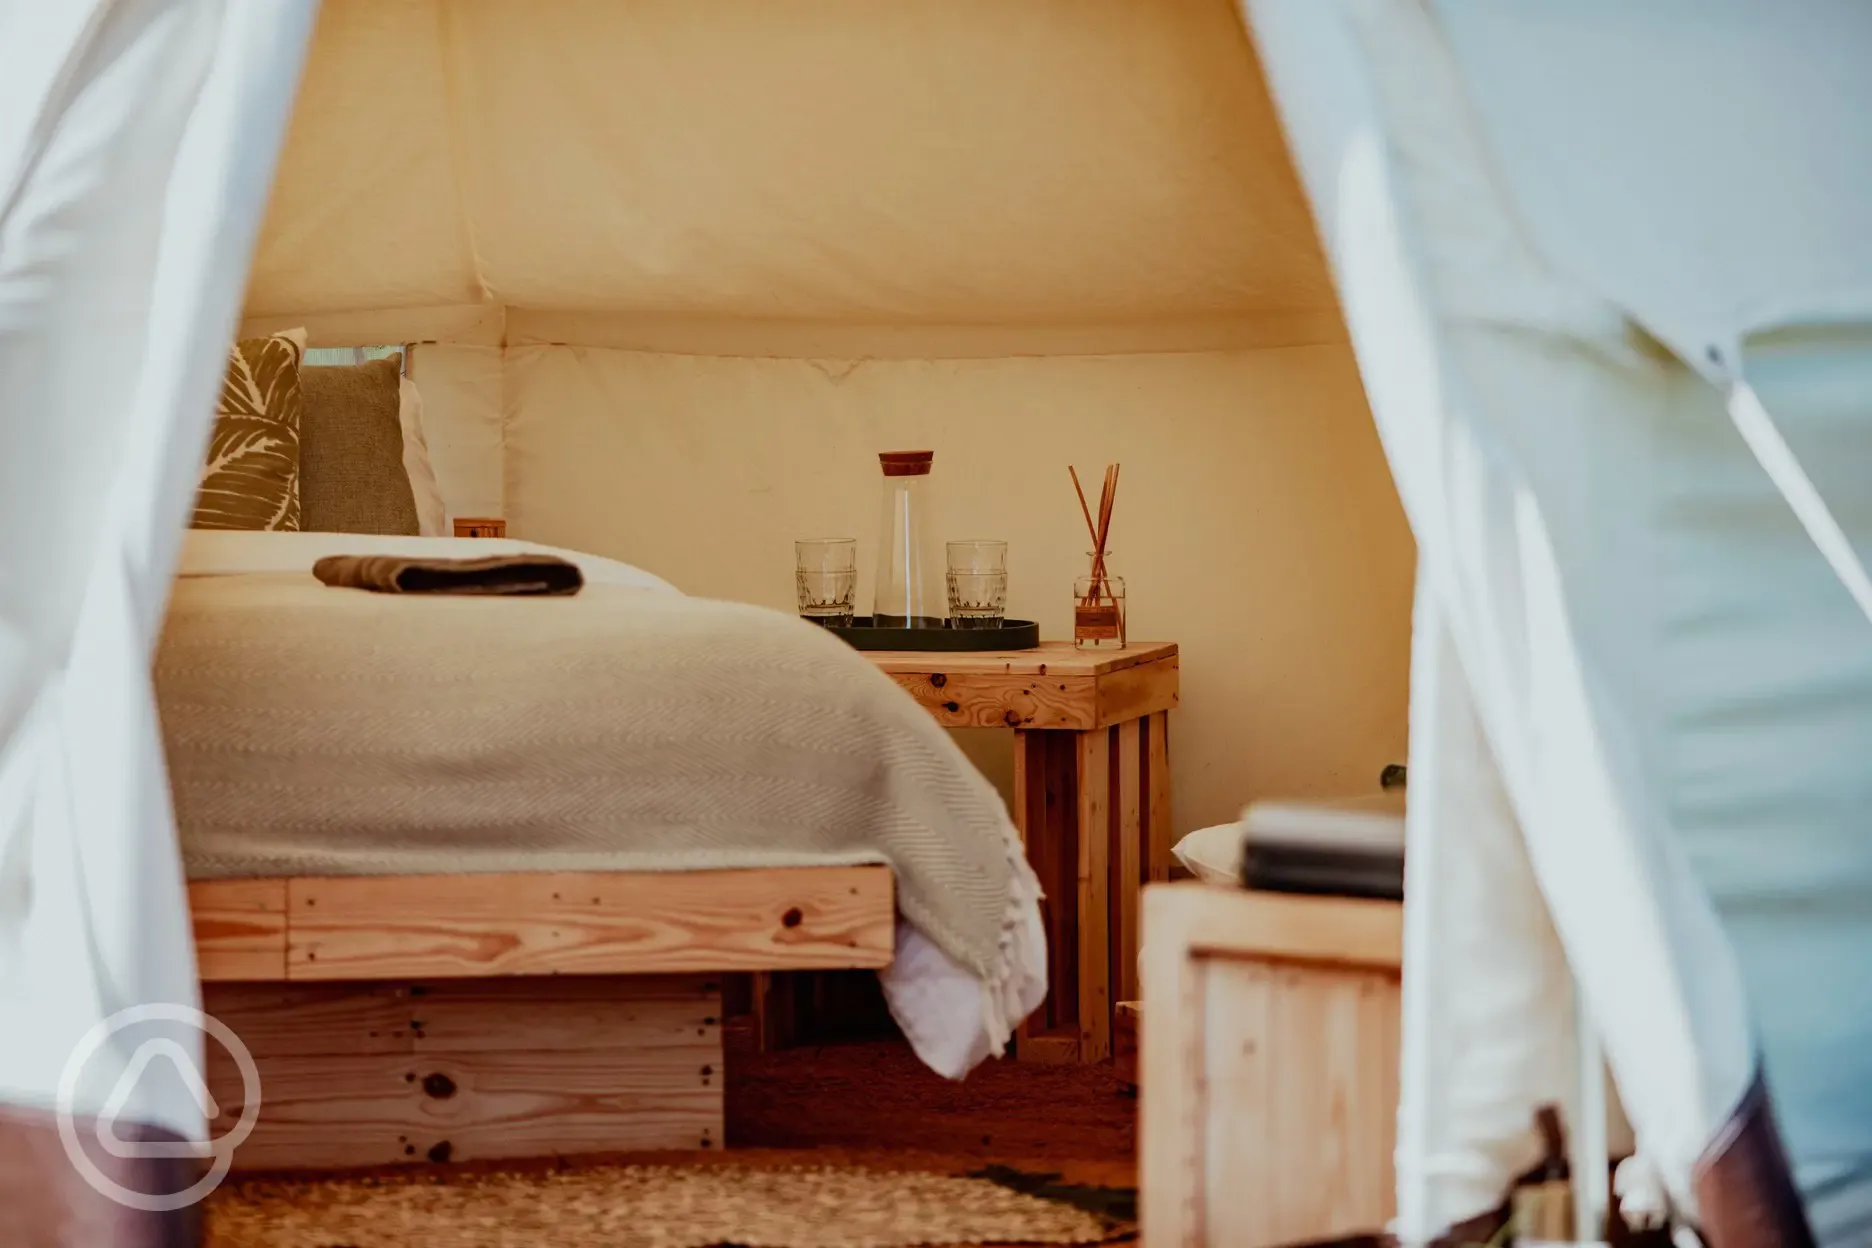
322, 731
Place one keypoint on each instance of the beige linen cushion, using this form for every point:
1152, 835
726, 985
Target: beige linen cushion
352, 477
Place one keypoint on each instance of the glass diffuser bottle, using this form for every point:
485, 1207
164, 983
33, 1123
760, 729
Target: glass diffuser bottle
909, 568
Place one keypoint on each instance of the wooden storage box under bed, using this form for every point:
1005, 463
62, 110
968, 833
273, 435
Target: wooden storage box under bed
467, 1017
1269, 1066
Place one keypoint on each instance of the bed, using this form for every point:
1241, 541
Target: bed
466, 873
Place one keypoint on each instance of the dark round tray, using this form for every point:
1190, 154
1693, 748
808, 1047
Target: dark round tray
1012, 635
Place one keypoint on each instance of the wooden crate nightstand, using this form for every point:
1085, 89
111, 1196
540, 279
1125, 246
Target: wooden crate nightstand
1091, 798
1125, 1044
480, 526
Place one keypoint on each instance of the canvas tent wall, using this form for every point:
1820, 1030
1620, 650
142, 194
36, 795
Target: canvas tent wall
687, 266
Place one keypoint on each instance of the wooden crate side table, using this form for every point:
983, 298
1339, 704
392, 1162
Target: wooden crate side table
1091, 800
1269, 1051
484, 526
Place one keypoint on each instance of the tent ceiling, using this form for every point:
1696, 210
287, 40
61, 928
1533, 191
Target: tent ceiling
921, 162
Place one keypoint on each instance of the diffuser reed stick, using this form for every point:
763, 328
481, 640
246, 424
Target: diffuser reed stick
1091, 528
1100, 532
1108, 498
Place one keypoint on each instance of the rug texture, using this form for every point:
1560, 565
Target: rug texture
648, 1207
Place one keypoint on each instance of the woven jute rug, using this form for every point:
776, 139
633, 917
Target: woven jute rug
629, 1206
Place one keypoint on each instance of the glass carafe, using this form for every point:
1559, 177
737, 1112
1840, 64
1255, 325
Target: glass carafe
909, 568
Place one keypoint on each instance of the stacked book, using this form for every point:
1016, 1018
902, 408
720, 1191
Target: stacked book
1348, 848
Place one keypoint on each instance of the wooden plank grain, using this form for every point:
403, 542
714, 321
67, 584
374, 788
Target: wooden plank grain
1029, 812
487, 1069
1134, 692
1171, 1088
1382, 1036
964, 699
1158, 835
539, 1013
240, 929
1058, 867
1050, 1048
562, 1013
446, 926
1056, 658
1029, 806
1127, 859
1284, 1106
1370, 1174
333, 1111
1239, 1202
1327, 1147
283, 1020
776, 1010
1094, 888
1304, 1143
1281, 927
1125, 1044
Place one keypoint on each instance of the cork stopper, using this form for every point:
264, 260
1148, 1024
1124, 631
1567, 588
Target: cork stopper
906, 463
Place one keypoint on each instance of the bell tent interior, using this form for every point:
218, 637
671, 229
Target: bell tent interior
566, 858
676, 289
668, 278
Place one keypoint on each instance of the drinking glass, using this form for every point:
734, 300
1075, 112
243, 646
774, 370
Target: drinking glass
978, 555
826, 576
977, 583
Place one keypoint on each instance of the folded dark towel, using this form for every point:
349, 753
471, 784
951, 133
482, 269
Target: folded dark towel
495, 574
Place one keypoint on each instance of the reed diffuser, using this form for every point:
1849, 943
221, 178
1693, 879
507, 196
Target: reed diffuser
1098, 598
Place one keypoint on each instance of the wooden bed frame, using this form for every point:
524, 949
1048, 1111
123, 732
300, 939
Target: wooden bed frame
1269, 1066
462, 1017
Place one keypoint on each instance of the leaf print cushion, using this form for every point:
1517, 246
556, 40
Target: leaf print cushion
251, 480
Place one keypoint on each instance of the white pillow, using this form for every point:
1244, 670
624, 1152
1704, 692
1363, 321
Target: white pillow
1212, 855
431, 513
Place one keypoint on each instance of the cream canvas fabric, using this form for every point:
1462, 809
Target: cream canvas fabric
426, 491
703, 469
463, 397
830, 191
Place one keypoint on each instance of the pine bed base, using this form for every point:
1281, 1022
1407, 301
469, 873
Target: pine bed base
469, 1017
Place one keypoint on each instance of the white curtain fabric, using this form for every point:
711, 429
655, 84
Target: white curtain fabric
1706, 165
137, 143
1640, 696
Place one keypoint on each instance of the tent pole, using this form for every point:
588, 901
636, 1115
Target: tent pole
1589, 1163
1423, 960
